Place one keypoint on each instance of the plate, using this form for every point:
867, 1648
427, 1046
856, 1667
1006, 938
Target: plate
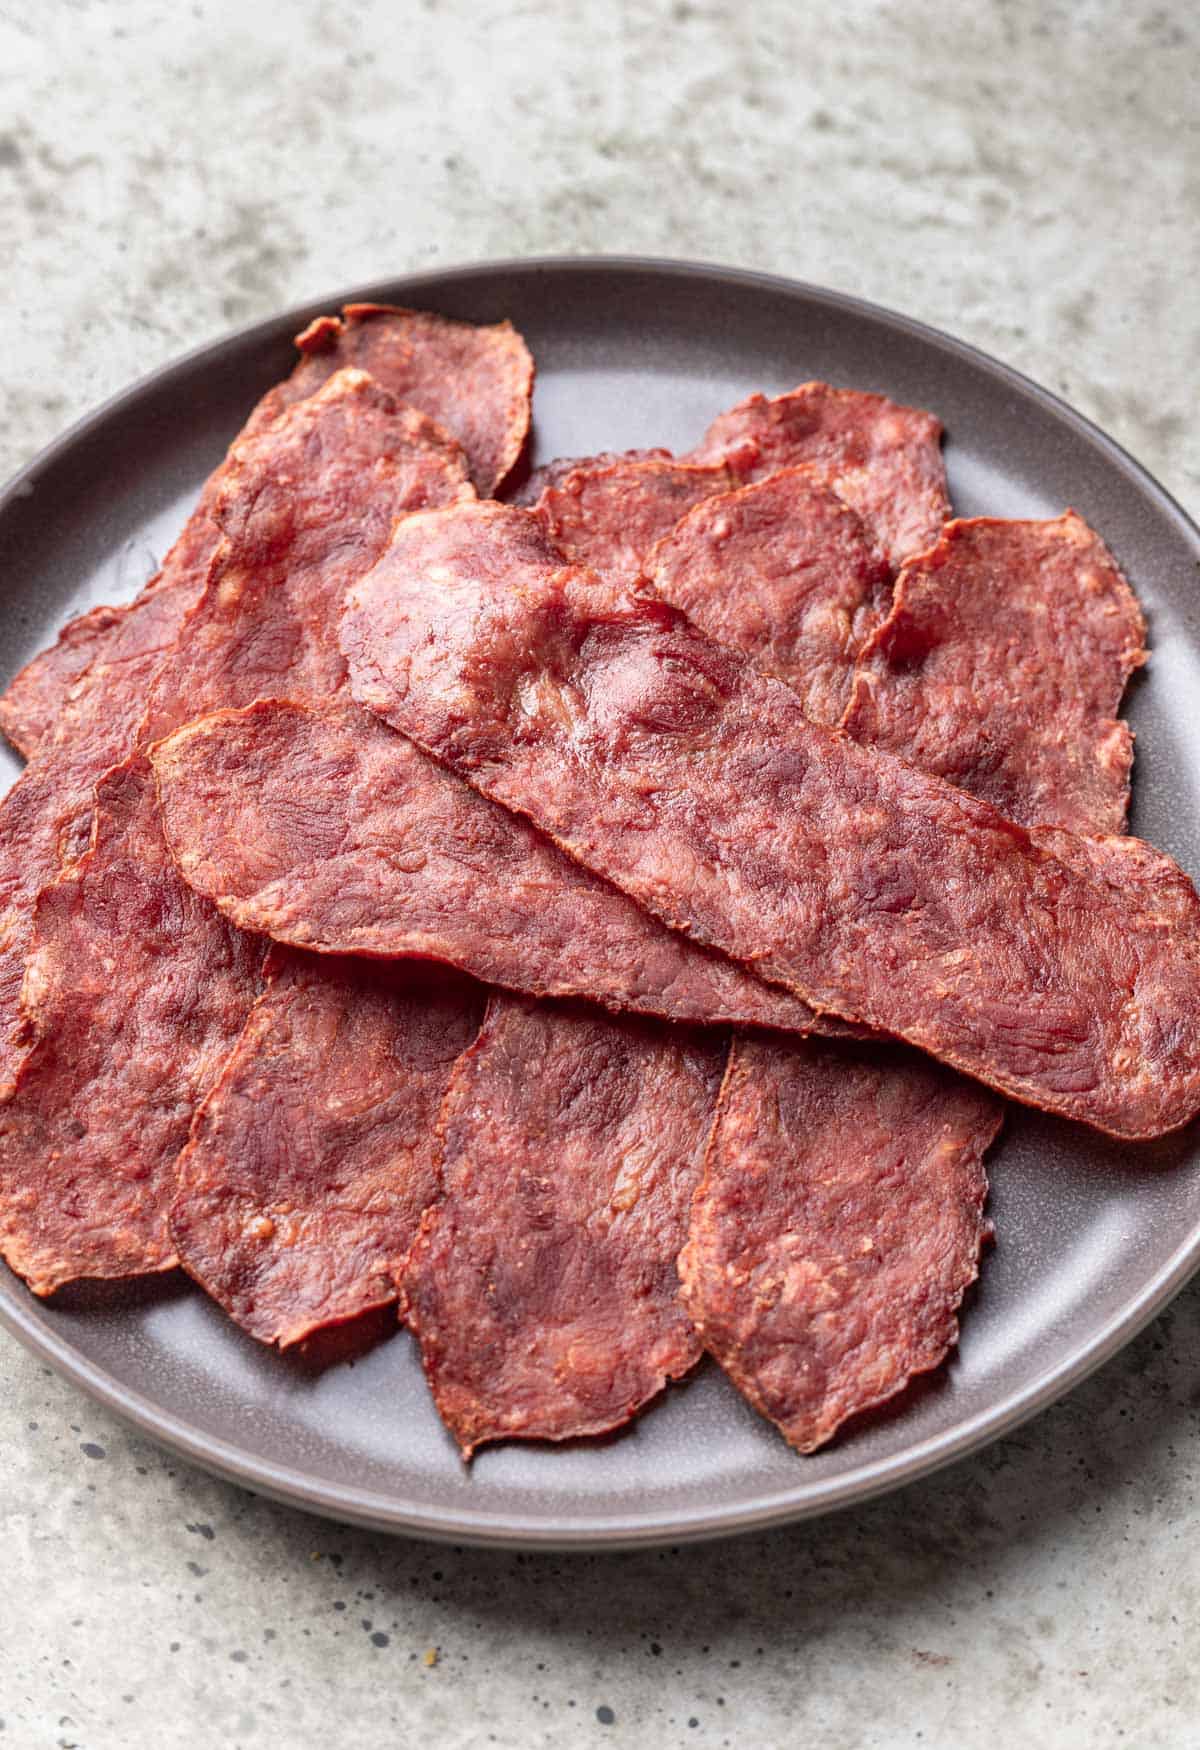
1093, 1237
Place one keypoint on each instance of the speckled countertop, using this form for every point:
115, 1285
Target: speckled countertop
1026, 175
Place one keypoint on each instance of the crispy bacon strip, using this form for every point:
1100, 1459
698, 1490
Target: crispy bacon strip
485, 407
311, 503
475, 381
882, 459
609, 513
33, 701
837, 1226
277, 536
840, 1217
784, 571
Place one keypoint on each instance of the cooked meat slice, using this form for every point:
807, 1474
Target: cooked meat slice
665, 763
885, 460
475, 381
314, 1155
785, 572
325, 829
1001, 667
543, 1286
136, 990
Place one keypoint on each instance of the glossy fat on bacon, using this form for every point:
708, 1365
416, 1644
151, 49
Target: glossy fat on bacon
314, 1155
324, 829
1001, 667
542, 1286
475, 381
664, 762
308, 507
839, 1226
885, 460
784, 571
135, 993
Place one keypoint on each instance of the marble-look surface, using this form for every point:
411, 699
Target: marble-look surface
1026, 175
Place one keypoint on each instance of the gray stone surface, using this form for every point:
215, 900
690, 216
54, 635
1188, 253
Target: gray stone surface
1025, 175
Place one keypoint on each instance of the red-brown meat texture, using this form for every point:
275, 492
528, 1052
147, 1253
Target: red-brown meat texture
136, 991
475, 381
554, 472
77, 707
487, 406
1001, 668
55, 698
32, 702
543, 1286
882, 459
308, 508
314, 1155
337, 518
784, 571
839, 1224
885, 460
840, 1216
47, 813
610, 515
666, 763
324, 829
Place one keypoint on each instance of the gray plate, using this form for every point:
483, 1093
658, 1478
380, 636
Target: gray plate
1093, 1237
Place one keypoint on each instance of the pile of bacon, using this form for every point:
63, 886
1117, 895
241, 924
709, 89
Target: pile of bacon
600, 924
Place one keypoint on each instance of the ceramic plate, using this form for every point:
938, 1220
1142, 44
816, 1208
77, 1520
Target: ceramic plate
1093, 1237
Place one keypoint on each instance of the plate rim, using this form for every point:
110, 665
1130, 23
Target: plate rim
374, 1509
